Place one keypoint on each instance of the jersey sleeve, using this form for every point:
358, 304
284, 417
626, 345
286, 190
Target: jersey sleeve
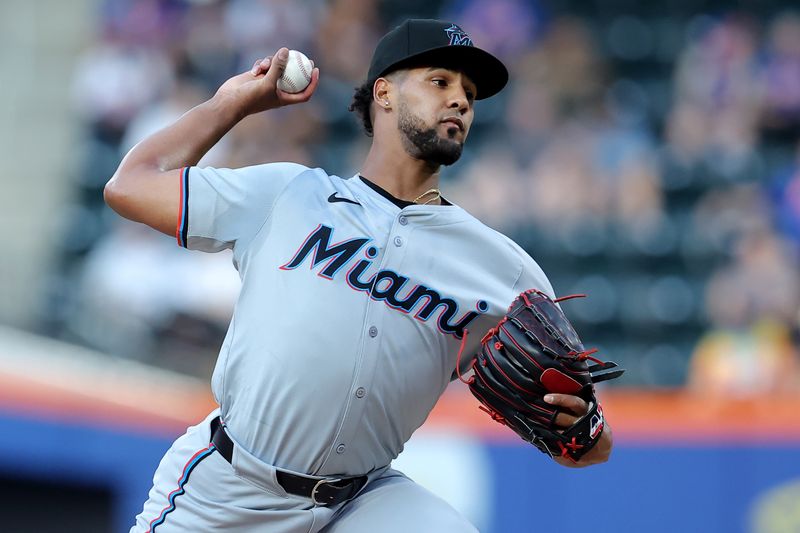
532, 277
220, 207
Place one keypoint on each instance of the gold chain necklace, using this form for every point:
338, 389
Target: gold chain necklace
436, 192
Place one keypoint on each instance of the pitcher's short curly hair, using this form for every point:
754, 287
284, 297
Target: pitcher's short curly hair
361, 104
362, 98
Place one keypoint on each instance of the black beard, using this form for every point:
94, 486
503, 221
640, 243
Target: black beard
425, 143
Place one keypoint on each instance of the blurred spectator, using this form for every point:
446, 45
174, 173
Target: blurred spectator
717, 93
753, 307
208, 54
722, 215
717, 71
761, 358
781, 75
785, 189
765, 276
114, 80
345, 39
568, 63
150, 23
687, 133
126, 318
256, 28
343, 44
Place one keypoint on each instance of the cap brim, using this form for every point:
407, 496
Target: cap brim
488, 73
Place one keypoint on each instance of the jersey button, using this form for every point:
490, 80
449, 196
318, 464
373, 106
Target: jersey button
341, 448
373, 331
403, 220
398, 241
361, 392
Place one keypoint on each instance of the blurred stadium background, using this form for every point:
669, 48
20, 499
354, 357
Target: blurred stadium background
645, 153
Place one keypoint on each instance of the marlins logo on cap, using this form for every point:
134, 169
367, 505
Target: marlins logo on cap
458, 36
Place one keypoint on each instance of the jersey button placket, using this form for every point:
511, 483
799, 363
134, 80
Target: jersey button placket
375, 314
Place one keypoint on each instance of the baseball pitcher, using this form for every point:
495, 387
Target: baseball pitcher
358, 296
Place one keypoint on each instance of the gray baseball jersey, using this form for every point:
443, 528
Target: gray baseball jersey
351, 309
347, 328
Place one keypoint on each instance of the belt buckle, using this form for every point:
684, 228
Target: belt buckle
316, 488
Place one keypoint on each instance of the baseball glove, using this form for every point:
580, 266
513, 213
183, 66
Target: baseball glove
534, 350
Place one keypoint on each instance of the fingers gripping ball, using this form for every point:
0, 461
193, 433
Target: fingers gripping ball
297, 74
534, 350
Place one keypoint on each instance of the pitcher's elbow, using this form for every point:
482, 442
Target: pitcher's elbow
115, 196
111, 194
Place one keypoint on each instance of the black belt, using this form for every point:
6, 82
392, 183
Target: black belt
325, 491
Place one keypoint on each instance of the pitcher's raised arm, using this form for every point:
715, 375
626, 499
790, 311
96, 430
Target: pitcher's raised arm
146, 186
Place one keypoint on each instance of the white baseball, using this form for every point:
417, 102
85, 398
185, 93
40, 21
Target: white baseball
297, 74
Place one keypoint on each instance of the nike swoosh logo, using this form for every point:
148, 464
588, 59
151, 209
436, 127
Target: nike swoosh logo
333, 199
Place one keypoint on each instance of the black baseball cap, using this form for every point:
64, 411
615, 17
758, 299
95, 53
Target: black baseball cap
428, 42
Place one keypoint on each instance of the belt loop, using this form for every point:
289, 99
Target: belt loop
221, 441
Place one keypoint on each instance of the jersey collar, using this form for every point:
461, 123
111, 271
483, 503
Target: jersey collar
427, 215
396, 201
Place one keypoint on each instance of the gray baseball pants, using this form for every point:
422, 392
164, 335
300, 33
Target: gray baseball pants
196, 489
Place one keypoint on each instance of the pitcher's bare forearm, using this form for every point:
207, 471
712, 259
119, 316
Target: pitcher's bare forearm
146, 186
186, 141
